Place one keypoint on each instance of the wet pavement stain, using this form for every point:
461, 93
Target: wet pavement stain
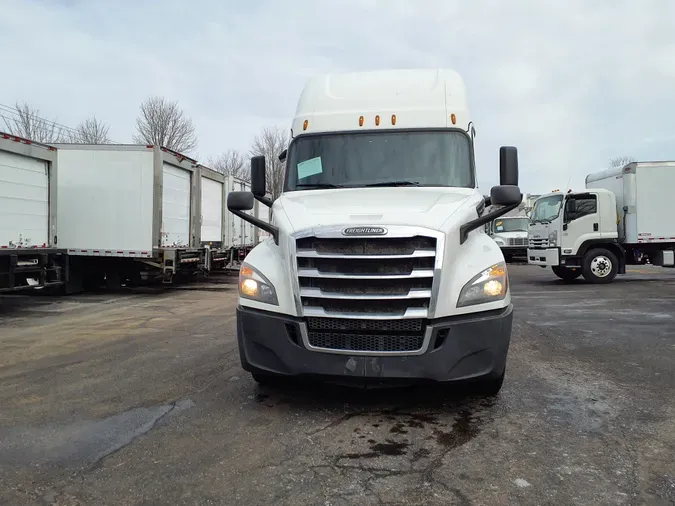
84, 442
465, 427
389, 448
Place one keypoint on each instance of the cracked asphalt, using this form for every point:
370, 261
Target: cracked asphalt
138, 398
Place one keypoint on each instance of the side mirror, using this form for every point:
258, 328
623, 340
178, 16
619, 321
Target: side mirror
240, 201
282, 155
508, 166
571, 206
505, 195
257, 176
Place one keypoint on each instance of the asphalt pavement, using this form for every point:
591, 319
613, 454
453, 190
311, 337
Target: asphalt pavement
138, 398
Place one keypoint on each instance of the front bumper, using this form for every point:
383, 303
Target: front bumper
460, 348
545, 257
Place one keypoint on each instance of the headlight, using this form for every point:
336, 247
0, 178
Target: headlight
253, 285
500, 242
488, 286
553, 238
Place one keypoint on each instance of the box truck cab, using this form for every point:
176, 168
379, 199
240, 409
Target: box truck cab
510, 234
378, 266
623, 216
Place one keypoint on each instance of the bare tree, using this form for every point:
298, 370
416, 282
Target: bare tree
231, 162
162, 122
91, 131
620, 161
270, 142
29, 124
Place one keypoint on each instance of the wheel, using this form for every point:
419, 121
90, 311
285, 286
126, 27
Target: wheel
262, 379
489, 387
599, 266
566, 273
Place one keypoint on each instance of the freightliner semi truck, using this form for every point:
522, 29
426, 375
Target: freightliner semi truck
378, 266
623, 217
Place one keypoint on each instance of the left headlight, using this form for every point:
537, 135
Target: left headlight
253, 285
487, 286
553, 238
500, 241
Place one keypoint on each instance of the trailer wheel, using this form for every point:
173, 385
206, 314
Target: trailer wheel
599, 266
566, 273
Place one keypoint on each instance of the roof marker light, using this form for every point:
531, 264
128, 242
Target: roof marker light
453, 118
305, 125
393, 119
360, 120
377, 120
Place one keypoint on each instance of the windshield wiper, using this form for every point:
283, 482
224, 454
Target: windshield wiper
395, 183
318, 185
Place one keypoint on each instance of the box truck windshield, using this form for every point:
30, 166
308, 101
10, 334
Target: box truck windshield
546, 209
421, 158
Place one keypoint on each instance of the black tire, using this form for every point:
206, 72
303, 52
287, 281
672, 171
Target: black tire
599, 266
489, 387
263, 379
566, 273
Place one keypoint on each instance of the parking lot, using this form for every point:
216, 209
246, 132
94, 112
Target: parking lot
138, 398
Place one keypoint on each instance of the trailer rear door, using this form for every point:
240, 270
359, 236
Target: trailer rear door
176, 197
24, 201
212, 210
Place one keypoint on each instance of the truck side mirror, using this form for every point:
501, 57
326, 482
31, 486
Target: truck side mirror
571, 206
505, 195
240, 201
508, 166
282, 155
257, 176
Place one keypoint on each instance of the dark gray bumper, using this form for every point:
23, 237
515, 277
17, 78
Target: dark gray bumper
466, 347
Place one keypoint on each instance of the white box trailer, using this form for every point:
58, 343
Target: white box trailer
212, 217
643, 192
128, 213
29, 256
240, 234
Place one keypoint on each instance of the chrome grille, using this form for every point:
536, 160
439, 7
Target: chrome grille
517, 241
538, 243
366, 294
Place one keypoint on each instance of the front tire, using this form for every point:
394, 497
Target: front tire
599, 266
566, 273
490, 387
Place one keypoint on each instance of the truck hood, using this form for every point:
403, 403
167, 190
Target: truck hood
428, 207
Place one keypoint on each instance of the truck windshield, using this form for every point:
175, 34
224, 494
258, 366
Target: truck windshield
511, 225
396, 158
546, 209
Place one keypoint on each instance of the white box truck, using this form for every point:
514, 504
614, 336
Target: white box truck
622, 218
378, 267
510, 234
127, 214
29, 254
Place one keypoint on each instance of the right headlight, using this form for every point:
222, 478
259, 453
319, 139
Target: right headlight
253, 285
487, 286
499, 241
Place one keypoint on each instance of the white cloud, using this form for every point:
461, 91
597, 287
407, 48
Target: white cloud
571, 84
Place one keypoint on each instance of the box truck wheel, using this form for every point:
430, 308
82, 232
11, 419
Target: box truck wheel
566, 273
599, 265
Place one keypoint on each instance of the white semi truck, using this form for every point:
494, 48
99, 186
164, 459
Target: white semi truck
620, 219
378, 266
30, 256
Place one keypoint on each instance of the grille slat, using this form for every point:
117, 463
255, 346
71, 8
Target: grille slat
366, 294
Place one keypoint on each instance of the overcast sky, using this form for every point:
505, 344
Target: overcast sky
570, 83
